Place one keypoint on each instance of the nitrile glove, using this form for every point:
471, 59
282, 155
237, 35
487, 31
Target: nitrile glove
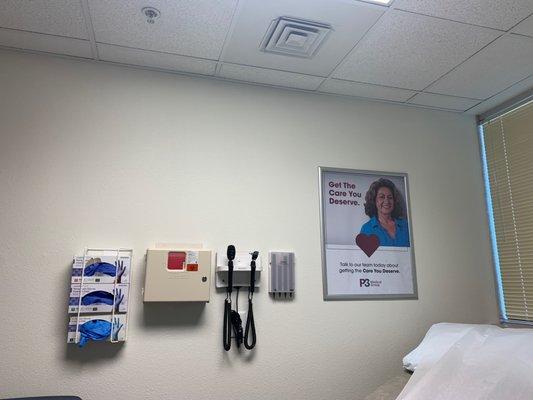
97, 297
100, 267
95, 329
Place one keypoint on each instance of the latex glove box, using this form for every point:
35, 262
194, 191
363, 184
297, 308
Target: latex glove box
177, 275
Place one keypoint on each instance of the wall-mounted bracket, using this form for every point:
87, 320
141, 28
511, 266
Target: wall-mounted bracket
241, 269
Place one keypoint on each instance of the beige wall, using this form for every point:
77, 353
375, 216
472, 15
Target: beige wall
94, 155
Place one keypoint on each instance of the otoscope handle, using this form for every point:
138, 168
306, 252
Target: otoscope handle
252, 276
230, 276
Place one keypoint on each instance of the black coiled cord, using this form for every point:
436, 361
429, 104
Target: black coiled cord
227, 324
232, 319
250, 323
226, 335
250, 327
236, 322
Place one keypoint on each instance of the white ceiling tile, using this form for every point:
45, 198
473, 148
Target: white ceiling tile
152, 59
349, 20
441, 101
507, 94
365, 90
46, 43
498, 14
411, 51
270, 76
498, 66
188, 27
55, 17
525, 27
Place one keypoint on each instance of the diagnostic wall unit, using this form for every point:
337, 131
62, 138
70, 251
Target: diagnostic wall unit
177, 275
241, 271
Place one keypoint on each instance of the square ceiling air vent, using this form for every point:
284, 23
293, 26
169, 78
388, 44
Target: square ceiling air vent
295, 37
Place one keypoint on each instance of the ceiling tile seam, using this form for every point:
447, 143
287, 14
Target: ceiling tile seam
44, 34
521, 35
501, 91
412, 97
450, 20
451, 95
156, 51
371, 99
415, 92
218, 67
439, 94
199, 75
506, 33
255, 83
148, 68
279, 87
475, 105
164, 70
157, 69
519, 22
270, 69
89, 26
229, 34
465, 60
377, 84
100, 61
518, 34
212, 77
392, 8
478, 101
293, 89
42, 52
454, 110
329, 76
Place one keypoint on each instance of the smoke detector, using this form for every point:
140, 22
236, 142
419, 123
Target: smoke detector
151, 14
294, 37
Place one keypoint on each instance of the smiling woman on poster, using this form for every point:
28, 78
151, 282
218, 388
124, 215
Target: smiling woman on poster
385, 206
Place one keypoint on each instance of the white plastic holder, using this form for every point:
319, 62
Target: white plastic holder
241, 269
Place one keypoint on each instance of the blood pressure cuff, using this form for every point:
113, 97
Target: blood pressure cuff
97, 297
95, 329
100, 267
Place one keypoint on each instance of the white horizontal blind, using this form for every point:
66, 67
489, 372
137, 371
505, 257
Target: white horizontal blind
509, 161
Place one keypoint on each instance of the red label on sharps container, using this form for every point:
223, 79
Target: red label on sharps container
176, 260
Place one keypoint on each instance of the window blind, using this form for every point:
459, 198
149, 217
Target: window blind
508, 147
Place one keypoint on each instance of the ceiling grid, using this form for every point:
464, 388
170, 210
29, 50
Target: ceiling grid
89, 27
354, 46
444, 54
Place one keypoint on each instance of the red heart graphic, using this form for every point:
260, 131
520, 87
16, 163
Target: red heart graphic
368, 243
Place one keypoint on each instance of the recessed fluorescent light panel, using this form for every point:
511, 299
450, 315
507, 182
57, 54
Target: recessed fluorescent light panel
381, 2
294, 37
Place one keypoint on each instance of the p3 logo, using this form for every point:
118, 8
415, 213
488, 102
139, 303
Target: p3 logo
364, 282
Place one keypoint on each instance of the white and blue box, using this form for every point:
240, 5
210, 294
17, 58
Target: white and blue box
109, 327
101, 269
98, 298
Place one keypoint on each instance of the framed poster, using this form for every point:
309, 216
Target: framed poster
367, 244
